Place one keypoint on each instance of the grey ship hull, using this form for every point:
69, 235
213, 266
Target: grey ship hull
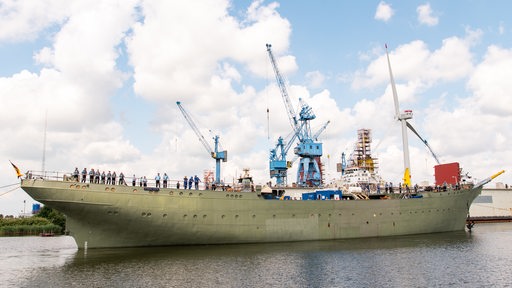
124, 216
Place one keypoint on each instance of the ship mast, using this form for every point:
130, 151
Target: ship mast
402, 117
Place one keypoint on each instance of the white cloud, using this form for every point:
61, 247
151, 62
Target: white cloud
315, 79
415, 62
491, 83
23, 20
425, 15
384, 12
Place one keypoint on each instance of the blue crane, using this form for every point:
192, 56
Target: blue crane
278, 164
309, 151
216, 154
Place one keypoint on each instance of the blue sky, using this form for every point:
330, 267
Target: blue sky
109, 74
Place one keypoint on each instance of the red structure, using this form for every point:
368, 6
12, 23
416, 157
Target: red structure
447, 173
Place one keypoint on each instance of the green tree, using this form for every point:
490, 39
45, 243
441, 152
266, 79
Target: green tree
54, 216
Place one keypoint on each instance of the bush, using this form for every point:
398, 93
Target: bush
27, 226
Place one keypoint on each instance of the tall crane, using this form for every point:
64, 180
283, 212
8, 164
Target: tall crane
216, 154
309, 151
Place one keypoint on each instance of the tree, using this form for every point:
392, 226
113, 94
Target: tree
54, 216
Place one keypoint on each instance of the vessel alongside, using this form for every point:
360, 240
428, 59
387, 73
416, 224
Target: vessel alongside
101, 215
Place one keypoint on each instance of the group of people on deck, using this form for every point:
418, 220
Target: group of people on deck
110, 178
96, 177
192, 180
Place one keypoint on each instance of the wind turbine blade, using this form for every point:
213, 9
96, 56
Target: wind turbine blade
424, 142
393, 87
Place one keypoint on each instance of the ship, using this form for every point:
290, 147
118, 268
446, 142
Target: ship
105, 215
99, 215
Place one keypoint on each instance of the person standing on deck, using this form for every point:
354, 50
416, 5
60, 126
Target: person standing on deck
145, 180
185, 182
114, 178
97, 176
91, 176
75, 174
84, 175
134, 180
166, 178
196, 182
178, 185
141, 181
190, 181
121, 179
103, 177
109, 178
157, 180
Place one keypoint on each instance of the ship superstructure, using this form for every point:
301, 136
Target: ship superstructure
361, 172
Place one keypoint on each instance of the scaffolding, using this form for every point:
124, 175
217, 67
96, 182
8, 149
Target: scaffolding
361, 157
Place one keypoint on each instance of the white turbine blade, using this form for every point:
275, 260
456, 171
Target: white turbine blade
393, 87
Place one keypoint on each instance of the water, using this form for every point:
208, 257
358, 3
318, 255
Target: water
460, 259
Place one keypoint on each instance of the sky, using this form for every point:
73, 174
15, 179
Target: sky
95, 84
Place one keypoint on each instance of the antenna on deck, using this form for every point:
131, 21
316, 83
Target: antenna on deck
44, 140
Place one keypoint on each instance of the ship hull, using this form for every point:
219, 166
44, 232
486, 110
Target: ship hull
123, 216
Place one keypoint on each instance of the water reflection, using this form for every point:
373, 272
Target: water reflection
430, 260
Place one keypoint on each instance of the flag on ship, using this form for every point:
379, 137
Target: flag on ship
18, 173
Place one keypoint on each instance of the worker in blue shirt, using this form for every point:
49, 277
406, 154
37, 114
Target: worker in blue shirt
157, 180
190, 181
185, 182
166, 178
196, 182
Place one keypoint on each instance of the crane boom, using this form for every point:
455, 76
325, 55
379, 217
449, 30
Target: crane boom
282, 86
216, 154
196, 130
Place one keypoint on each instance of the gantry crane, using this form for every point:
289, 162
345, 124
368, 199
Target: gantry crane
216, 154
309, 151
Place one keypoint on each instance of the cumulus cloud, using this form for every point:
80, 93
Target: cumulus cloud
315, 79
490, 82
21, 20
425, 15
384, 12
415, 62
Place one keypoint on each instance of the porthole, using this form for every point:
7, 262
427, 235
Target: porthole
171, 192
143, 214
165, 215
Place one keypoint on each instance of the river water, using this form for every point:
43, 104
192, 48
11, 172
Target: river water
481, 258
